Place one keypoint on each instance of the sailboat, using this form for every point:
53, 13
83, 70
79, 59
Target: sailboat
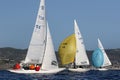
102, 56
106, 61
41, 50
81, 56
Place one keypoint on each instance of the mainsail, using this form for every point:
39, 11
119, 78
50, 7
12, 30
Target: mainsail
106, 59
81, 56
37, 45
49, 56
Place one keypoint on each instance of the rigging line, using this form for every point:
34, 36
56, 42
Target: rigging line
45, 44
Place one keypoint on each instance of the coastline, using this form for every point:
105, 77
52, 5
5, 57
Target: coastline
112, 67
10, 56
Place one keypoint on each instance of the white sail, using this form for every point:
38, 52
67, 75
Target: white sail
41, 50
38, 41
106, 59
81, 56
49, 60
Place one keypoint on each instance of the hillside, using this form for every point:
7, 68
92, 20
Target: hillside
9, 56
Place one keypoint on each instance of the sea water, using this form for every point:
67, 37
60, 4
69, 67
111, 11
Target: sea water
64, 75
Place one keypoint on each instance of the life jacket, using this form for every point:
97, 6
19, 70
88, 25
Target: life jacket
32, 67
17, 66
37, 68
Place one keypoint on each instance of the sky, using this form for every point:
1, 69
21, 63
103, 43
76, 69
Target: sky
95, 18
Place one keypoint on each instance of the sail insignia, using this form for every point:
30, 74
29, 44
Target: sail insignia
54, 63
41, 17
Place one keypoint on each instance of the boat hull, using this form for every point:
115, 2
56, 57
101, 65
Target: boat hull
78, 70
100, 69
21, 71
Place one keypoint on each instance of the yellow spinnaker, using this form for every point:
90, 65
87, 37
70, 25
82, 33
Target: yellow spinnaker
67, 50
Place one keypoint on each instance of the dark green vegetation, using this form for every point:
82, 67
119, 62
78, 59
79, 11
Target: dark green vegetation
113, 55
9, 56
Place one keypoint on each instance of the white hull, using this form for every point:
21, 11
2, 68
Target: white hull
78, 70
35, 72
100, 69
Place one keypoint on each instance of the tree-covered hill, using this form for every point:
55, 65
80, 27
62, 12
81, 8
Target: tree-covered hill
9, 56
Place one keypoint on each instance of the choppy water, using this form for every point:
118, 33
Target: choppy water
64, 75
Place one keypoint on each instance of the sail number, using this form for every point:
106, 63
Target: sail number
42, 7
34, 60
39, 26
84, 62
41, 17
